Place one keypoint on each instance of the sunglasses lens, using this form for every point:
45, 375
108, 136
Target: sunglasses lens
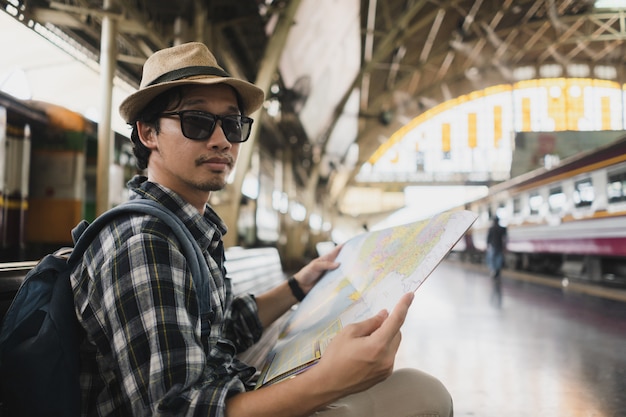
235, 129
197, 126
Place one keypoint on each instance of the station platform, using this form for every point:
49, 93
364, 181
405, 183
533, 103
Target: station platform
539, 350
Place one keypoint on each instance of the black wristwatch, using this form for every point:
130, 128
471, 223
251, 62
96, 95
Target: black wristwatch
296, 290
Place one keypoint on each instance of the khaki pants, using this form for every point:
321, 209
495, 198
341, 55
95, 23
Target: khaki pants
406, 393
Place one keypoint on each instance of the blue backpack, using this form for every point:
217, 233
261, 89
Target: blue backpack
40, 335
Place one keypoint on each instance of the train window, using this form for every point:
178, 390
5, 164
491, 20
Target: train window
484, 214
616, 187
556, 199
517, 205
583, 192
534, 201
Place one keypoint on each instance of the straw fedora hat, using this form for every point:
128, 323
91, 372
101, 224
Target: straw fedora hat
189, 63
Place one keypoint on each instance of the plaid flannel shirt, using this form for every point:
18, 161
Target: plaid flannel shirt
144, 351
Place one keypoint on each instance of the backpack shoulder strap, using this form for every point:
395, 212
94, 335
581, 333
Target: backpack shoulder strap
191, 250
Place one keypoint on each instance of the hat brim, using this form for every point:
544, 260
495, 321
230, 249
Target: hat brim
251, 96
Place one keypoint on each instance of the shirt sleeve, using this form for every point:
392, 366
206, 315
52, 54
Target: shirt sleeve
242, 324
151, 313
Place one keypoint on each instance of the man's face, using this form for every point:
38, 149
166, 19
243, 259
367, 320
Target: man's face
192, 167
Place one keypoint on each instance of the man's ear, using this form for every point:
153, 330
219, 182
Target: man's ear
147, 135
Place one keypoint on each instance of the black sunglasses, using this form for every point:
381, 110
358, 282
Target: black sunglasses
199, 125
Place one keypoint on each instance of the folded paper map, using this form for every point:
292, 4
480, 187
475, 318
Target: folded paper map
376, 269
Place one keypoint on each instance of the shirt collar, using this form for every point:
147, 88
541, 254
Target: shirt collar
206, 228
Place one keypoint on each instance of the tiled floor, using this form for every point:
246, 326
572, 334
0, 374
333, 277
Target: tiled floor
542, 352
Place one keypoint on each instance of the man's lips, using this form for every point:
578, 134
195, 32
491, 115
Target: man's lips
216, 163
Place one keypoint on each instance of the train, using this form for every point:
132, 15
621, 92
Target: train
567, 221
48, 158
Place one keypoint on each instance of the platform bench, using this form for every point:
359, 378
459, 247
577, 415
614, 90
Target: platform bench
253, 271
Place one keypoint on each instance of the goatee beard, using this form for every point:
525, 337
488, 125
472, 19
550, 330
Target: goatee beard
212, 185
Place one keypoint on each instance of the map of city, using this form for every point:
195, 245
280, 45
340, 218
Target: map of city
376, 269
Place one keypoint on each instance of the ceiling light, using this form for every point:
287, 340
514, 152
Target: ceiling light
610, 4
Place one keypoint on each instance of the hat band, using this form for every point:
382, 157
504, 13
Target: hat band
187, 72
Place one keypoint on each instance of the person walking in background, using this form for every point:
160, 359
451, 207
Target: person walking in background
496, 244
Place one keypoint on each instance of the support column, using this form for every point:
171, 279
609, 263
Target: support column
108, 53
200, 25
291, 231
266, 72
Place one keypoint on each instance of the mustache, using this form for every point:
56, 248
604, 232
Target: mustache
221, 158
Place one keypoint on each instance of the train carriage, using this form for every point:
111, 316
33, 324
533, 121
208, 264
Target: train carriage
569, 220
48, 157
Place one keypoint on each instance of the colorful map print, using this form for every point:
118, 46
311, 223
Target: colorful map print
376, 269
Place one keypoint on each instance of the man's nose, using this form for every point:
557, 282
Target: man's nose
218, 137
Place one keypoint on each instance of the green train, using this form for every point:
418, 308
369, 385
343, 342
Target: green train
48, 157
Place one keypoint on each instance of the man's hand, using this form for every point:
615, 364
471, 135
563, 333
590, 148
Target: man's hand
273, 303
363, 353
308, 276
360, 356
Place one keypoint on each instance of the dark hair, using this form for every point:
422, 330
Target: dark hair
165, 101
150, 115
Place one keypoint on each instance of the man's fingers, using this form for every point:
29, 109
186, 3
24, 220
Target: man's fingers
368, 326
394, 322
383, 323
332, 254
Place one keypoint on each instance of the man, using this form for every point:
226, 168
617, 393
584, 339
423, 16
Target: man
496, 243
147, 350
